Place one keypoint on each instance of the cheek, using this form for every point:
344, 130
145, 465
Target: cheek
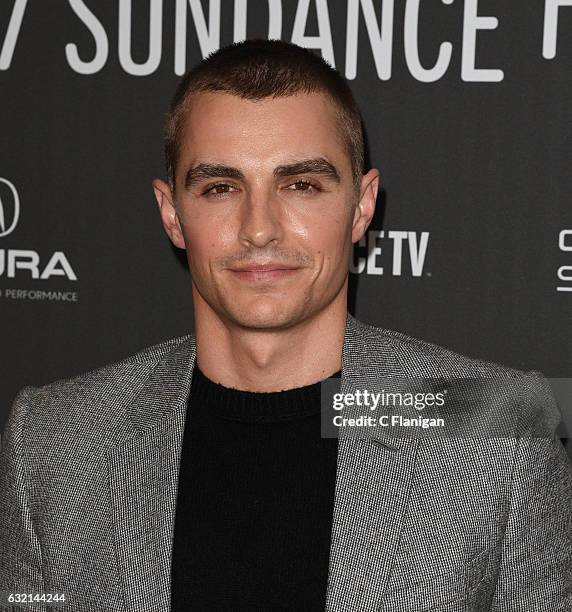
208, 238
328, 238
325, 224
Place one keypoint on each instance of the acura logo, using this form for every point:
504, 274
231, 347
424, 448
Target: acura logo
9, 210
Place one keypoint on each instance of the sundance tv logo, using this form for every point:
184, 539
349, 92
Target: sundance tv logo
564, 273
27, 264
402, 253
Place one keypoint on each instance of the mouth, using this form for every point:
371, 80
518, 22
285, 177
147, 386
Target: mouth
266, 272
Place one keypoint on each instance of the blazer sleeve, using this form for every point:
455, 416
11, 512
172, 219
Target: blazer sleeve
536, 567
20, 551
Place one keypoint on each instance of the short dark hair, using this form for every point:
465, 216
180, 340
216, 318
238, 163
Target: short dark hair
257, 68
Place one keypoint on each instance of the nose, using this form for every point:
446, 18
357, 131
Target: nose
260, 219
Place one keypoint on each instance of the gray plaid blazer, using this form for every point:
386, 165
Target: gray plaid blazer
89, 467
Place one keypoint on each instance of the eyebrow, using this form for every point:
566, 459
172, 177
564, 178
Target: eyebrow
318, 165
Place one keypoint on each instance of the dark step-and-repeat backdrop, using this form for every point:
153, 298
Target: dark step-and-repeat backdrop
467, 105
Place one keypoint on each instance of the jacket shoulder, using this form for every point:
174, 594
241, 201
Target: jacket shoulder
508, 389
142, 360
92, 402
426, 358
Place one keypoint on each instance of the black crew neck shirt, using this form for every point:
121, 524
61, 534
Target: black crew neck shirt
255, 501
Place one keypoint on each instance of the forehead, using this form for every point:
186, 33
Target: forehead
227, 128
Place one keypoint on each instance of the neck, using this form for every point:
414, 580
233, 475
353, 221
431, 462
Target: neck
270, 360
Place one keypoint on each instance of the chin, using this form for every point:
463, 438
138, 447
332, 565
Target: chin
258, 318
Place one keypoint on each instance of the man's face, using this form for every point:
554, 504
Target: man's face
265, 206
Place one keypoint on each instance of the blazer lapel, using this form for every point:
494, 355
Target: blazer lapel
143, 475
373, 483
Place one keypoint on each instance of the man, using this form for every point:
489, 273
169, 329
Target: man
194, 476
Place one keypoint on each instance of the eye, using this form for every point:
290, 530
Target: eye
304, 186
218, 191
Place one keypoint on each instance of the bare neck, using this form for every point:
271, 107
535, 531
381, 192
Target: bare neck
261, 360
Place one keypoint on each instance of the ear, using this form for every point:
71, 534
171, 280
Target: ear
365, 208
168, 212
